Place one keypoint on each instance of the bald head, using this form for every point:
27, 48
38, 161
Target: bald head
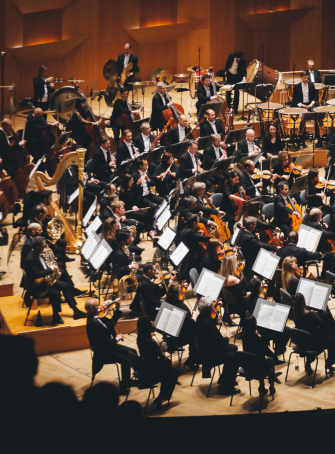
6, 125
182, 121
38, 112
316, 213
91, 307
250, 135
210, 115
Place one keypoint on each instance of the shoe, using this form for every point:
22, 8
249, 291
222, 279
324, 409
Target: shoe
263, 392
57, 320
227, 392
77, 292
276, 379
79, 314
178, 382
228, 321
235, 112
68, 259
308, 369
278, 362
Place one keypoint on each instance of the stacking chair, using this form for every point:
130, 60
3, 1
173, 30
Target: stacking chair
269, 210
231, 302
98, 363
217, 199
286, 298
330, 280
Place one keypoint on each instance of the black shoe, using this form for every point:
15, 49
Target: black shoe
276, 379
79, 314
227, 391
158, 402
57, 320
178, 382
68, 259
77, 292
235, 112
228, 321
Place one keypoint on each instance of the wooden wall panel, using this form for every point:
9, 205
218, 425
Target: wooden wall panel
42, 27
327, 35
158, 12
12, 25
222, 29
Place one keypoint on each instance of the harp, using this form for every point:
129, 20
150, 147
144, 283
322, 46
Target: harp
74, 239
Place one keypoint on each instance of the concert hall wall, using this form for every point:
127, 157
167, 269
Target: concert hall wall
103, 26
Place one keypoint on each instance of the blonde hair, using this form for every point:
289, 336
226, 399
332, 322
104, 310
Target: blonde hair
287, 271
228, 266
107, 230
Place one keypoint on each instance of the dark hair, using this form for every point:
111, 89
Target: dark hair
298, 306
253, 209
238, 53
121, 235
44, 194
125, 132
42, 68
166, 156
104, 140
191, 220
212, 245
125, 181
293, 237
304, 73
267, 134
254, 286
78, 103
205, 76
233, 174
39, 209
281, 185
139, 162
147, 267
123, 90
173, 292
144, 327
312, 174
190, 143
37, 241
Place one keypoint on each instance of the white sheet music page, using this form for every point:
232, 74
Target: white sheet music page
264, 316
163, 218
163, 320
73, 196
271, 265
261, 262
179, 253
306, 287
303, 235
176, 318
209, 285
279, 318
90, 244
166, 239
319, 296
89, 213
100, 254
93, 227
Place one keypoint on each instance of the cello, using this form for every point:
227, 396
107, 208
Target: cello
126, 120
295, 220
174, 111
23, 167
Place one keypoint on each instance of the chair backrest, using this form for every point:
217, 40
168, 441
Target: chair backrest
269, 210
194, 276
326, 219
229, 297
302, 339
217, 199
303, 198
277, 277
89, 166
249, 362
285, 297
330, 278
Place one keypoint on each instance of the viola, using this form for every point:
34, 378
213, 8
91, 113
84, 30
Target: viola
216, 312
269, 237
323, 184
107, 308
262, 291
265, 174
300, 273
226, 250
240, 268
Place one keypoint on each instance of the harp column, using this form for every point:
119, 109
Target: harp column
81, 152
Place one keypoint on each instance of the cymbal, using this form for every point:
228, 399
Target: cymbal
110, 70
194, 68
154, 73
166, 76
149, 83
181, 75
136, 84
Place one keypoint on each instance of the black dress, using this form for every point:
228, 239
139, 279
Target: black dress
226, 204
313, 200
272, 148
280, 171
242, 301
77, 126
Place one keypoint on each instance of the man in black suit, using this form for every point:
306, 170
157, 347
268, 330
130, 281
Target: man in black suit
122, 62
248, 146
235, 71
252, 187
205, 91
214, 153
314, 75
214, 348
190, 207
151, 293
36, 268
250, 245
141, 187
105, 342
43, 86
9, 162
178, 133
191, 161
103, 162
300, 253
118, 257
160, 102
126, 149
144, 140
199, 190
281, 209
211, 125
330, 144
35, 126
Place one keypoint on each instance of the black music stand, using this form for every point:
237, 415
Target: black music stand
204, 142
137, 123
188, 182
299, 185
235, 136
269, 163
177, 149
255, 158
156, 154
221, 166
243, 86
216, 106
204, 176
126, 166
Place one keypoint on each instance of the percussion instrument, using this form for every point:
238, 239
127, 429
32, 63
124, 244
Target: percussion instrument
195, 79
255, 71
329, 120
331, 102
181, 76
194, 68
321, 93
268, 111
154, 73
290, 86
110, 70
137, 84
165, 76
63, 101
291, 117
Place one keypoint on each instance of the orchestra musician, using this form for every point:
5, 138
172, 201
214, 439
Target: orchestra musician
235, 71
165, 175
120, 107
300, 253
281, 209
191, 161
212, 125
122, 63
252, 188
9, 162
77, 124
178, 133
281, 171
118, 257
104, 341
248, 146
315, 196
36, 268
314, 75
199, 190
126, 149
144, 140
190, 207
211, 261
104, 162
230, 189
35, 127
151, 293
214, 153
205, 91
289, 278
160, 102
43, 86
272, 143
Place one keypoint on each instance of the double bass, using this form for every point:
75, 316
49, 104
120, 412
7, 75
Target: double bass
126, 120
23, 166
174, 111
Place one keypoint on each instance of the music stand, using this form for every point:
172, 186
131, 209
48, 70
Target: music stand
243, 86
204, 176
328, 79
126, 166
269, 163
255, 158
216, 106
235, 136
220, 167
156, 154
188, 181
137, 123
204, 142
177, 149
299, 185
61, 140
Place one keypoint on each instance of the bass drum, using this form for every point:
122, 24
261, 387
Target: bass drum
255, 71
63, 101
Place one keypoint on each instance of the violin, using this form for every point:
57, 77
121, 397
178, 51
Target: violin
216, 310
107, 308
268, 236
226, 250
265, 174
263, 290
323, 184
300, 273
240, 268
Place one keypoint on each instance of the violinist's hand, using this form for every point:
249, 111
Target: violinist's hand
167, 354
119, 337
55, 123
293, 200
49, 79
286, 177
257, 236
219, 303
277, 229
229, 335
322, 195
212, 224
325, 225
222, 213
201, 213
259, 185
22, 143
135, 208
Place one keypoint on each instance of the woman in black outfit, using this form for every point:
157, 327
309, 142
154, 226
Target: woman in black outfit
314, 195
318, 324
211, 261
283, 175
289, 278
230, 189
120, 107
255, 209
272, 142
77, 124
158, 367
254, 343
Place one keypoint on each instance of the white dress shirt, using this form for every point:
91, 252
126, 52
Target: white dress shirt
145, 187
181, 133
311, 75
195, 165
163, 99
43, 262
218, 152
305, 93
118, 220
233, 68
105, 154
130, 148
45, 96
146, 141
212, 123
208, 91
126, 60
250, 147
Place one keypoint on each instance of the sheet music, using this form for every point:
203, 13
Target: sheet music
279, 318
178, 254
90, 244
36, 167
175, 320
161, 209
100, 254
234, 237
318, 297
306, 287
265, 263
163, 320
166, 239
271, 264
264, 316
308, 238
89, 213
93, 227
1, 215
73, 196
209, 284
163, 219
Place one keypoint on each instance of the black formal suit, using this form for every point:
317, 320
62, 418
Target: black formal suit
157, 121
317, 76
331, 141
8, 160
139, 143
174, 137
192, 259
300, 253
122, 153
247, 184
33, 135
149, 200
102, 338
27, 247
186, 164
215, 349
250, 247
102, 169
120, 64
120, 107
281, 214
105, 213
298, 97
120, 262
326, 235
210, 157
184, 215
234, 78
206, 128
243, 150
151, 296
165, 186
202, 95
39, 84
207, 211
